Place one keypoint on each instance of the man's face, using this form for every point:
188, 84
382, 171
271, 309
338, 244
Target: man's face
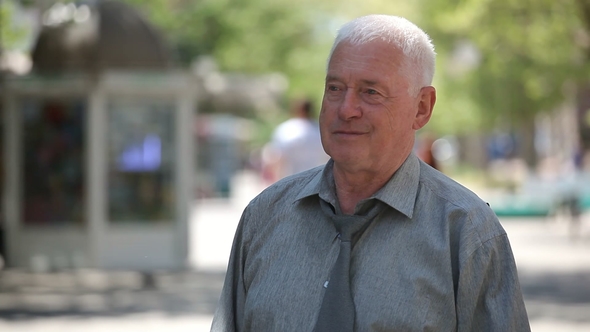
368, 118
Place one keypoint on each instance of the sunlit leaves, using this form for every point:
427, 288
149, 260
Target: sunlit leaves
13, 33
529, 51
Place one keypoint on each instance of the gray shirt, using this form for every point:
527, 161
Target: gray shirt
435, 258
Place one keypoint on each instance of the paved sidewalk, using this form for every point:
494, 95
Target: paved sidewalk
554, 270
92, 300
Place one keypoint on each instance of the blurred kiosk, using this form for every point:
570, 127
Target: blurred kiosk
98, 170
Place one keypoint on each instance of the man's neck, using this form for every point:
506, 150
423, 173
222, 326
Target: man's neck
353, 187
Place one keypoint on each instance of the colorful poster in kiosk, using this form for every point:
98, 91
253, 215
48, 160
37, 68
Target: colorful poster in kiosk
141, 152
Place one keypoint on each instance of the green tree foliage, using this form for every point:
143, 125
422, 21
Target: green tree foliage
530, 53
251, 36
261, 36
12, 32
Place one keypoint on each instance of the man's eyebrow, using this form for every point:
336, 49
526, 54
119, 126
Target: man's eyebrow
371, 82
331, 78
380, 86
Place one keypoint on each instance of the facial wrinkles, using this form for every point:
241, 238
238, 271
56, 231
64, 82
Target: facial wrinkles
359, 124
397, 109
390, 121
391, 89
381, 98
350, 68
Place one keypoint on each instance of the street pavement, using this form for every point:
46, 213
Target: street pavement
554, 271
552, 257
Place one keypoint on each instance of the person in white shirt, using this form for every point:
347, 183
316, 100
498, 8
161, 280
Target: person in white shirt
296, 144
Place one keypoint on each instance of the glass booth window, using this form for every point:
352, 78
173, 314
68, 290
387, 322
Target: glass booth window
54, 149
141, 161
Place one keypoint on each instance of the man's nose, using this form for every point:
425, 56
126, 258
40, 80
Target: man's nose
351, 105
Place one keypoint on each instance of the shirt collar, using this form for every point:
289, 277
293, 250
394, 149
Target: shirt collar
321, 184
399, 192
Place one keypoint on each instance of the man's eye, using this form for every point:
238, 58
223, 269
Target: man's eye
372, 96
333, 88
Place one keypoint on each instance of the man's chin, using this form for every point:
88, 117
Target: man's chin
349, 160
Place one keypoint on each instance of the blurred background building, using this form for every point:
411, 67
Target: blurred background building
98, 145
101, 163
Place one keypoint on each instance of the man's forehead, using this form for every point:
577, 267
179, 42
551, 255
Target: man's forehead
370, 53
369, 80
366, 68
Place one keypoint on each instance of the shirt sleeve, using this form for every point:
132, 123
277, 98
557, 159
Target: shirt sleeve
488, 295
229, 314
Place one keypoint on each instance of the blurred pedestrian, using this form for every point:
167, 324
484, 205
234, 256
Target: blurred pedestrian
296, 144
375, 240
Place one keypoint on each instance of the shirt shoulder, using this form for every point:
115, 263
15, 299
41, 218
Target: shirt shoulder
275, 216
449, 189
281, 195
470, 219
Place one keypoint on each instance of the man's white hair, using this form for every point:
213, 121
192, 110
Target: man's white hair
397, 31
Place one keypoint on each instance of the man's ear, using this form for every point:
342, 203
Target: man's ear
426, 100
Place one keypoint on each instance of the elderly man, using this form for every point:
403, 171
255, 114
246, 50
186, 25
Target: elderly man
375, 240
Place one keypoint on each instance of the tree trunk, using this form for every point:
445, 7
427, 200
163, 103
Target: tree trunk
583, 115
526, 136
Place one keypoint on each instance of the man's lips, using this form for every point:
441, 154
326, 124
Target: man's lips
348, 132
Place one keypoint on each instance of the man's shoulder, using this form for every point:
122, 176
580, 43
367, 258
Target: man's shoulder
468, 216
449, 189
276, 207
286, 190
